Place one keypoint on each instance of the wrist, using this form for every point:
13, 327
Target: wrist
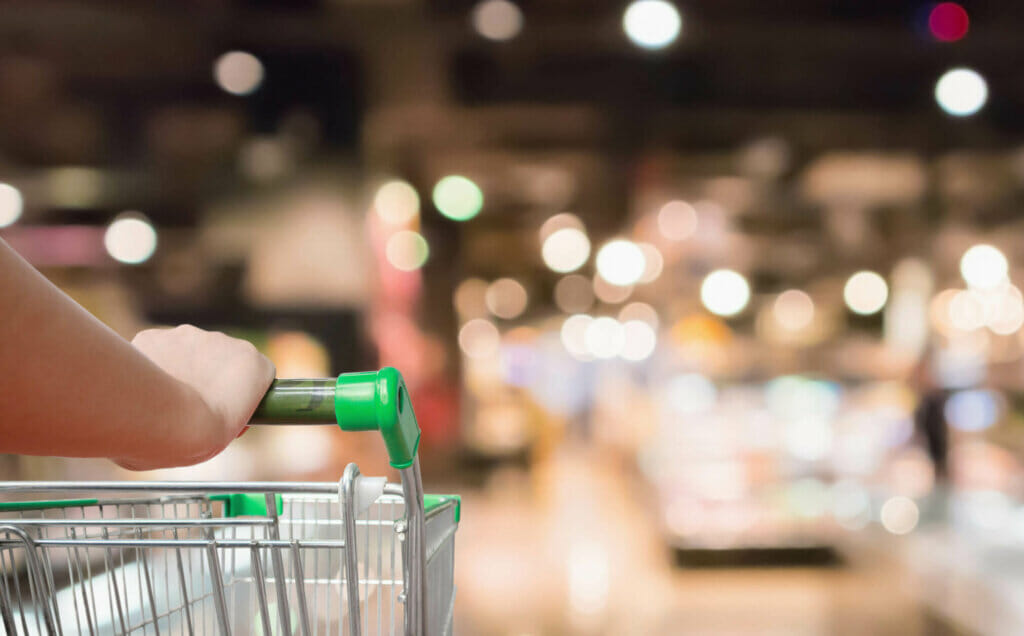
180, 435
199, 436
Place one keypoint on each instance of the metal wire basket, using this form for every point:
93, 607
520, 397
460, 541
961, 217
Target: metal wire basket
358, 556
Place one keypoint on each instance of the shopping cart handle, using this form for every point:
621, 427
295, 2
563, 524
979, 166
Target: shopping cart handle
370, 400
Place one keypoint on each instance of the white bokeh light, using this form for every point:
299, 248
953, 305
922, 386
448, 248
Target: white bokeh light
654, 263
621, 262
130, 238
1006, 315
497, 20
961, 92
899, 515
807, 437
605, 337
506, 298
965, 311
560, 221
865, 293
238, 72
640, 311
652, 24
984, 266
574, 333
10, 204
677, 220
640, 340
397, 203
566, 250
793, 309
725, 292
407, 250
479, 338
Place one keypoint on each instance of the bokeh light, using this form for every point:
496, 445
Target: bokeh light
652, 24
264, 159
560, 221
609, 293
654, 262
725, 292
984, 266
640, 311
948, 22
574, 294
808, 437
621, 262
396, 203
407, 250
604, 338
961, 92
793, 309
10, 204
506, 298
805, 409
973, 410
966, 312
574, 335
297, 354
130, 238
640, 340
76, 186
566, 250
458, 198
1006, 310
497, 20
238, 72
939, 311
808, 498
469, 298
851, 505
899, 515
479, 338
865, 293
677, 220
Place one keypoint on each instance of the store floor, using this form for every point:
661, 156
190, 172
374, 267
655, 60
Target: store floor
790, 602
570, 548
795, 602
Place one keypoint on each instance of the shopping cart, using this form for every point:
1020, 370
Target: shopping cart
358, 556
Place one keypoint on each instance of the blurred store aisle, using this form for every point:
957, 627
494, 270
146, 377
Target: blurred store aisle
574, 550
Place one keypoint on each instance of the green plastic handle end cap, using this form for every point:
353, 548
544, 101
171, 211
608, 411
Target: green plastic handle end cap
379, 400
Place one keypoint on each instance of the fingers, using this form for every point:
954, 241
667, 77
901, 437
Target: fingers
229, 375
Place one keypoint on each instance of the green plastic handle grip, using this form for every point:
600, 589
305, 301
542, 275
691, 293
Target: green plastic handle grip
364, 401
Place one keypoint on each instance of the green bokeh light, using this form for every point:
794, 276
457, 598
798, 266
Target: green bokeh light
458, 198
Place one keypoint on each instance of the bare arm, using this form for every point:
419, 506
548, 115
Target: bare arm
69, 386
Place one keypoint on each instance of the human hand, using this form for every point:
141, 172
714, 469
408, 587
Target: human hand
225, 377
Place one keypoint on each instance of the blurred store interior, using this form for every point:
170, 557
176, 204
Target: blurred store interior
708, 309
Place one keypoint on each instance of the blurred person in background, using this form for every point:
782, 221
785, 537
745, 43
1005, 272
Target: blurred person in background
930, 416
69, 386
932, 431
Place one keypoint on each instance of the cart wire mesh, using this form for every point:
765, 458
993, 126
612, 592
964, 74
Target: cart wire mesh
310, 560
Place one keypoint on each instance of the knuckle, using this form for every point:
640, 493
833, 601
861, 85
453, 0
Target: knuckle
144, 336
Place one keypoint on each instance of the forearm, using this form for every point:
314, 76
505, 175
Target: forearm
70, 386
